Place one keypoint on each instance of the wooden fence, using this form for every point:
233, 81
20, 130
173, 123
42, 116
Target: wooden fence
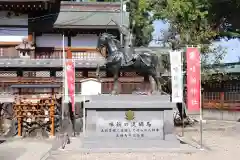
221, 100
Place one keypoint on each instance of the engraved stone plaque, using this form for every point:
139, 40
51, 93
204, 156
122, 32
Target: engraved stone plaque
134, 129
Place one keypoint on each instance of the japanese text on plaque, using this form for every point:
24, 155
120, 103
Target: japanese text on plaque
130, 129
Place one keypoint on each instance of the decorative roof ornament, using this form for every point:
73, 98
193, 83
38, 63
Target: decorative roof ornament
25, 46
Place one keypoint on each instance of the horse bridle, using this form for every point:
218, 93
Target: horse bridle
99, 49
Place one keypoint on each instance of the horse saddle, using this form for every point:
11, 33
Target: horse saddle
146, 58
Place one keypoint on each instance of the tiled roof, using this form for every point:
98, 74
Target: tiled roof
89, 6
90, 15
227, 68
97, 19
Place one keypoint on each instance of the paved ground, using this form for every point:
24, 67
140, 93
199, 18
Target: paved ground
223, 144
10, 153
24, 149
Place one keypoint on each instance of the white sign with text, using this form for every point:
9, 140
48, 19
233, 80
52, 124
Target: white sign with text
176, 76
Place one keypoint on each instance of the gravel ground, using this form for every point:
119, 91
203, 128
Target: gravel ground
222, 145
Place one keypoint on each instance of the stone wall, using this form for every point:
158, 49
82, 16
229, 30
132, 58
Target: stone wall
221, 115
215, 114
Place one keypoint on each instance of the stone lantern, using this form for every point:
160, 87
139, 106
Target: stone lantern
25, 49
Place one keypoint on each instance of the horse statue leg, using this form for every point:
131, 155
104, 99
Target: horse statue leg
98, 72
146, 82
158, 84
115, 82
156, 72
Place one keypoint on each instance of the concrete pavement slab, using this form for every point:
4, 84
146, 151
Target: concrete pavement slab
9, 153
21, 149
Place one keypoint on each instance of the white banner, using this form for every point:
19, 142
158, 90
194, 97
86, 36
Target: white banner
176, 76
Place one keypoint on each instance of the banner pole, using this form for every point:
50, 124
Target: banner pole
63, 66
182, 96
200, 103
74, 82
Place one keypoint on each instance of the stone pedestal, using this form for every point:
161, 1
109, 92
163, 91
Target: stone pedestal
129, 122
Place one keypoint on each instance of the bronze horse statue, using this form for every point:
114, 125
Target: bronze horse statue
145, 62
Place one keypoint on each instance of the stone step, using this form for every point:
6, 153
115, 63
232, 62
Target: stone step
154, 143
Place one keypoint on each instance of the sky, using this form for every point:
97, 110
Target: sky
232, 46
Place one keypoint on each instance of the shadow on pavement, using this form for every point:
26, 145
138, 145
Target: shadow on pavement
1, 141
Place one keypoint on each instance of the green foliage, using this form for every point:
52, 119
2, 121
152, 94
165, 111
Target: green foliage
141, 21
190, 24
188, 19
225, 15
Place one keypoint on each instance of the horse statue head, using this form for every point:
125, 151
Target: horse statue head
107, 40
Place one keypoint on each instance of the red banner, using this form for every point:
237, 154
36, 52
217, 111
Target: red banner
71, 81
193, 79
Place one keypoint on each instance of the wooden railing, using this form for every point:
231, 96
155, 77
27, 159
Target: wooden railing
75, 53
8, 52
50, 52
126, 84
221, 100
41, 80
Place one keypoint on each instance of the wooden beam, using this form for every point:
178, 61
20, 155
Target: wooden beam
77, 48
9, 43
56, 80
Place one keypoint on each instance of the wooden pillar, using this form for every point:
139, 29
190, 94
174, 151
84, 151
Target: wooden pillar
69, 54
17, 107
69, 41
19, 75
85, 73
30, 37
52, 108
19, 126
222, 100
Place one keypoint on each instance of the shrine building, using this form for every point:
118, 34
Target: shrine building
34, 33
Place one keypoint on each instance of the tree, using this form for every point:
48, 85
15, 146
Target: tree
190, 24
140, 21
188, 19
226, 18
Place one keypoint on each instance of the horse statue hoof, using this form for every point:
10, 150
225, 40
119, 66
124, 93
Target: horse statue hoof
114, 92
157, 93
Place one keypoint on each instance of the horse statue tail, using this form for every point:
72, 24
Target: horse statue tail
159, 67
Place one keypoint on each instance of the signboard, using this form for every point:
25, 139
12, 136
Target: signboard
129, 127
91, 86
193, 79
70, 71
176, 76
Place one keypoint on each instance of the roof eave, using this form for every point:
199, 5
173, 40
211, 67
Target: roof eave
85, 26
